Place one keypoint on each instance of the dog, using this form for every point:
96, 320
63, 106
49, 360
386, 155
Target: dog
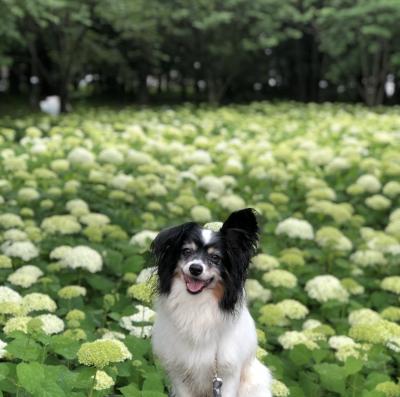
204, 334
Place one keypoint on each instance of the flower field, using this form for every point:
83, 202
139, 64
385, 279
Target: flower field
83, 195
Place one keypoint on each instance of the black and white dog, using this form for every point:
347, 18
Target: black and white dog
203, 326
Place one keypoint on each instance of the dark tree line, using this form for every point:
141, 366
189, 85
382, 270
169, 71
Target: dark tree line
201, 50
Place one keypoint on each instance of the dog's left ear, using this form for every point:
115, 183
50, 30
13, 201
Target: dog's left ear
240, 235
242, 224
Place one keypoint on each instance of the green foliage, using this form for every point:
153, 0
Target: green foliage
326, 323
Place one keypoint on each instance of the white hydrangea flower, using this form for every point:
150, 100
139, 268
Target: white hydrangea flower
339, 341
212, 184
51, 324
293, 309
15, 235
311, 324
60, 251
103, 381
201, 214
94, 219
364, 316
369, 183
143, 239
24, 250
8, 221
232, 202
290, 339
254, 290
332, 238
9, 295
80, 156
77, 207
264, 262
295, 228
111, 155
144, 314
325, 287
145, 274
366, 258
3, 350
113, 335
83, 257
63, 224
25, 276
37, 302
28, 194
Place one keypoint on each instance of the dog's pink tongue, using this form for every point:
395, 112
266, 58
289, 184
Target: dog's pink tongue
194, 285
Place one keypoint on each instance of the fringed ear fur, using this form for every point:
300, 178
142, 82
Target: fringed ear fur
240, 235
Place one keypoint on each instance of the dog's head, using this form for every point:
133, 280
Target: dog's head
206, 260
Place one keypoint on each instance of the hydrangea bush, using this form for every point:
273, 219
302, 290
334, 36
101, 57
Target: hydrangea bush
82, 197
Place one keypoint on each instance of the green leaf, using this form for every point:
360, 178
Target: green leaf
352, 366
373, 393
333, 377
83, 380
46, 380
153, 381
31, 376
64, 346
4, 371
24, 348
153, 394
300, 355
130, 391
137, 346
100, 283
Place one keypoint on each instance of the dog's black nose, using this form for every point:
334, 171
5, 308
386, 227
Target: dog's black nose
195, 269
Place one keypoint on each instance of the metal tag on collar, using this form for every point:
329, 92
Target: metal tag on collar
217, 386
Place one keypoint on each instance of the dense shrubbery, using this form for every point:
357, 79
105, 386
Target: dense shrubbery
82, 196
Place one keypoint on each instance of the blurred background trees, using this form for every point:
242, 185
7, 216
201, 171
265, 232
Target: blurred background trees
200, 50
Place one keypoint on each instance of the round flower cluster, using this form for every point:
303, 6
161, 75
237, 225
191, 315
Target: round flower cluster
295, 228
103, 381
38, 302
62, 224
83, 257
290, 339
363, 316
24, 250
25, 276
293, 309
71, 291
102, 352
332, 238
391, 284
143, 239
368, 258
51, 324
264, 262
326, 287
255, 291
280, 278
200, 214
279, 389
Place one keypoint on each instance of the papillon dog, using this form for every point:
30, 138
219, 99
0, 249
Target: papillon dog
204, 334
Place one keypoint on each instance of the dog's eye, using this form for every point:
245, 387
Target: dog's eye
215, 258
186, 252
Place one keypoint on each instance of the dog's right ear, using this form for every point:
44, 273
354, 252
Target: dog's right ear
166, 250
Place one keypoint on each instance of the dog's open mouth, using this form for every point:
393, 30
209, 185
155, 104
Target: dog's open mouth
194, 285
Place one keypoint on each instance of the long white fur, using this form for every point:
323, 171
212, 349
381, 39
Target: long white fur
190, 331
